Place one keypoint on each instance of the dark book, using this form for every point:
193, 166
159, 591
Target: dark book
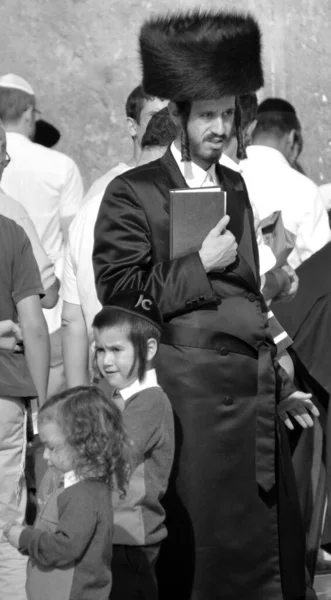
193, 213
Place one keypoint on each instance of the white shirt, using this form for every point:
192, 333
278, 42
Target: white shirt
14, 210
69, 479
100, 184
78, 285
149, 380
195, 177
48, 184
273, 185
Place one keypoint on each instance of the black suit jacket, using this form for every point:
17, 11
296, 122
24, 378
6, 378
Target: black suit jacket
138, 201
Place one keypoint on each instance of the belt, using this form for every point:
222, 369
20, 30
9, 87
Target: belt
195, 337
265, 421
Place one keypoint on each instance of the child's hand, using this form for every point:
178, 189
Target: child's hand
300, 407
12, 532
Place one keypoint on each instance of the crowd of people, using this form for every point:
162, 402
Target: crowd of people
154, 396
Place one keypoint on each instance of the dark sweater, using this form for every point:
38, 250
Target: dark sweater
70, 546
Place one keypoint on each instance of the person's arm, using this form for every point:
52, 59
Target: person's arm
71, 196
36, 343
75, 345
49, 281
144, 423
75, 342
76, 527
51, 295
27, 291
313, 231
122, 257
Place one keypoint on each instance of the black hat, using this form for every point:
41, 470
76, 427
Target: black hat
138, 303
46, 134
276, 105
201, 55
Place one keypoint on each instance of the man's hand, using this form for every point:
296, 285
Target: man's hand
300, 407
219, 248
12, 532
290, 293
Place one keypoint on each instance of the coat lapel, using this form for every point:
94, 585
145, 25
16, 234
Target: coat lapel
238, 209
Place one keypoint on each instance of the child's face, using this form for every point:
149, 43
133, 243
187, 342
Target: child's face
56, 453
115, 356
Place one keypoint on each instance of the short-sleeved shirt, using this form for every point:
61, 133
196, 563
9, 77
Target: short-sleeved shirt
12, 209
19, 279
78, 285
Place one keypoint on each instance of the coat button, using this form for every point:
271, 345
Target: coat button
251, 297
224, 352
228, 401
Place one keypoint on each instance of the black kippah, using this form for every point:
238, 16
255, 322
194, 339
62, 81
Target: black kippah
276, 105
138, 303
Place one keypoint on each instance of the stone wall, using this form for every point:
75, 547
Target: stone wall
81, 58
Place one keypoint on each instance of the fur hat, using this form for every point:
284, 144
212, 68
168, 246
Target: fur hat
201, 55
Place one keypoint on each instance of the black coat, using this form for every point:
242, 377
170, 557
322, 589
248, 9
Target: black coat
228, 538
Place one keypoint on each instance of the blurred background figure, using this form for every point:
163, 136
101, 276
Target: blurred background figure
47, 183
274, 185
139, 108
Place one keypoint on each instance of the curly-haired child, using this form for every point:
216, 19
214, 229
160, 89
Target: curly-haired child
70, 546
127, 334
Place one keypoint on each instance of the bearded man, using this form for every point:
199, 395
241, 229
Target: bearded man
234, 527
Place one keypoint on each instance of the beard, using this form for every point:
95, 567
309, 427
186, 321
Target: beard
203, 152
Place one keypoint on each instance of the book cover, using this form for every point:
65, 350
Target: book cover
193, 213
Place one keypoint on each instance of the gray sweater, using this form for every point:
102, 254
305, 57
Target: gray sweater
139, 517
70, 546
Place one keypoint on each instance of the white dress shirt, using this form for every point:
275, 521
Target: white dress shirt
48, 184
78, 285
274, 186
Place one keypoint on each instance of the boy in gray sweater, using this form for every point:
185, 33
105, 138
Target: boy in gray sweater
127, 334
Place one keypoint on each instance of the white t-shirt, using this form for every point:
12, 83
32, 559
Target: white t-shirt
100, 184
78, 279
48, 184
273, 185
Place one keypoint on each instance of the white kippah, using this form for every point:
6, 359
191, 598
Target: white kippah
15, 82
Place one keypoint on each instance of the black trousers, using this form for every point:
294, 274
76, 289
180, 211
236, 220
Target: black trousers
133, 570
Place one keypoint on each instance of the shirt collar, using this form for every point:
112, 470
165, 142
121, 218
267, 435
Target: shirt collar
150, 380
229, 162
70, 479
266, 154
16, 137
194, 175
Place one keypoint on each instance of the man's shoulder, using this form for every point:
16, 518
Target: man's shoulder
49, 157
11, 208
9, 229
99, 185
142, 173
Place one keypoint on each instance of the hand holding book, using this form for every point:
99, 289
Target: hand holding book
198, 223
219, 248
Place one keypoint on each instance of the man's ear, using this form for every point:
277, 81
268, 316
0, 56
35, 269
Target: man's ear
174, 114
152, 347
132, 126
28, 114
292, 138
